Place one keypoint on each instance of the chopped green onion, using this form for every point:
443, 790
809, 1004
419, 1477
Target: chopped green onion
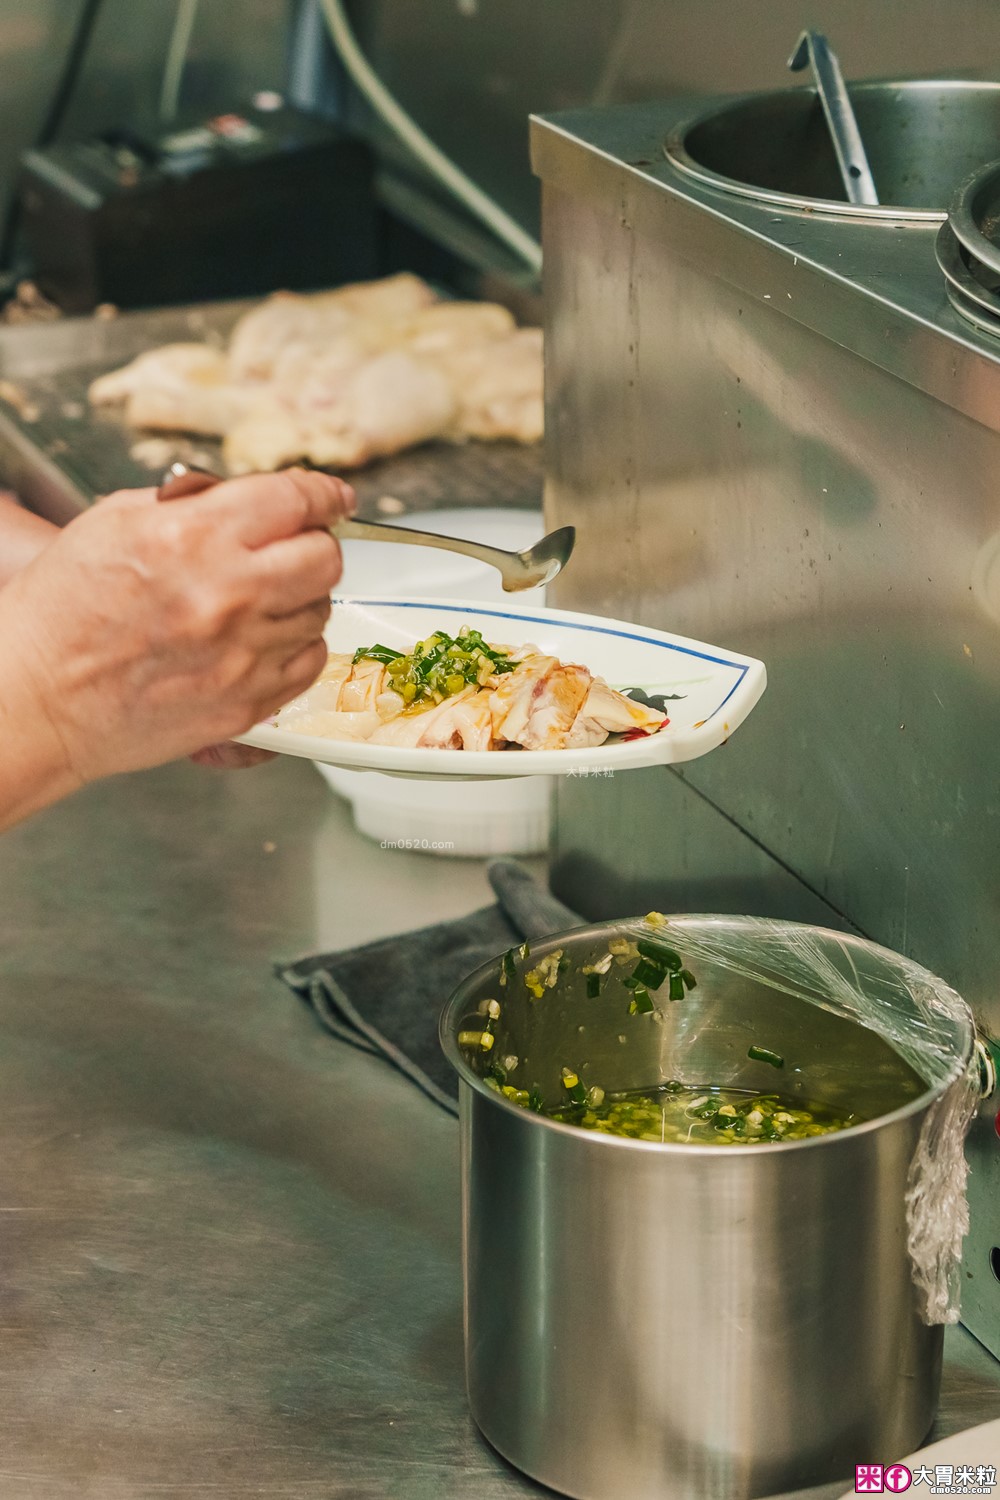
535, 1099
689, 979
593, 986
676, 987
525, 950
641, 1002
384, 654
764, 1054
648, 974
573, 1086
438, 667
483, 1039
508, 969
667, 958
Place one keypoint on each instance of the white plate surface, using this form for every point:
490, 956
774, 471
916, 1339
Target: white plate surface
715, 688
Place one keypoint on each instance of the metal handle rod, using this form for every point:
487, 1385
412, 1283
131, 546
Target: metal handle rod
183, 480
381, 531
813, 48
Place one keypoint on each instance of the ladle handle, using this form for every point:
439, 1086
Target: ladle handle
813, 48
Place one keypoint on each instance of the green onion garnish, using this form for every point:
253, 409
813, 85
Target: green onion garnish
676, 987
642, 1003
438, 667
508, 968
593, 986
384, 654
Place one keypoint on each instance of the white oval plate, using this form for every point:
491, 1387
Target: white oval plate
715, 689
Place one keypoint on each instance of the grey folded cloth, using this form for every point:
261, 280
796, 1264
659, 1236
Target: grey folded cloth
385, 998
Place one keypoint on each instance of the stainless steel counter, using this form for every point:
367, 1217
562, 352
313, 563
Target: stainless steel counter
230, 1258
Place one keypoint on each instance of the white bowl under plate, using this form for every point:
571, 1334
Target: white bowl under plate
712, 689
459, 819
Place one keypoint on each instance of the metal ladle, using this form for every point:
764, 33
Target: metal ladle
813, 49
518, 570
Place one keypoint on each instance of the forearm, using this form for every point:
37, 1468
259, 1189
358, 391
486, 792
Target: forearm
34, 771
22, 536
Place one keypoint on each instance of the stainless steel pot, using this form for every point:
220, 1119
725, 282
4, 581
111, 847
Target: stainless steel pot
674, 1321
922, 137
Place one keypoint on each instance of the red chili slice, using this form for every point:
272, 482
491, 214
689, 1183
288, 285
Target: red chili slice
642, 734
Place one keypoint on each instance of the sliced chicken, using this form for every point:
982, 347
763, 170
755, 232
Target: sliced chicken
544, 704
459, 723
324, 695
363, 688
605, 712
535, 706
329, 724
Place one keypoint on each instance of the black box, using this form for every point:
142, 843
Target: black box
236, 206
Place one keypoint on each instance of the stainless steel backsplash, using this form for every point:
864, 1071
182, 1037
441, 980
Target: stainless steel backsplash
472, 70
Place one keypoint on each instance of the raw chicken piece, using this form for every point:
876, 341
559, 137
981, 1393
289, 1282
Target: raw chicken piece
392, 402
392, 297
499, 387
283, 319
535, 706
454, 325
459, 723
270, 436
195, 364
302, 364
605, 712
288, 317
179, 388
340, 378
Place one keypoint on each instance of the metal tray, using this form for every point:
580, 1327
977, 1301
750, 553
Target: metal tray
58, 454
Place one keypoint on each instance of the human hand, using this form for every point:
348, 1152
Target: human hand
145, 632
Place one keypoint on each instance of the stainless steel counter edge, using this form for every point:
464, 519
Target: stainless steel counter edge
808, 267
